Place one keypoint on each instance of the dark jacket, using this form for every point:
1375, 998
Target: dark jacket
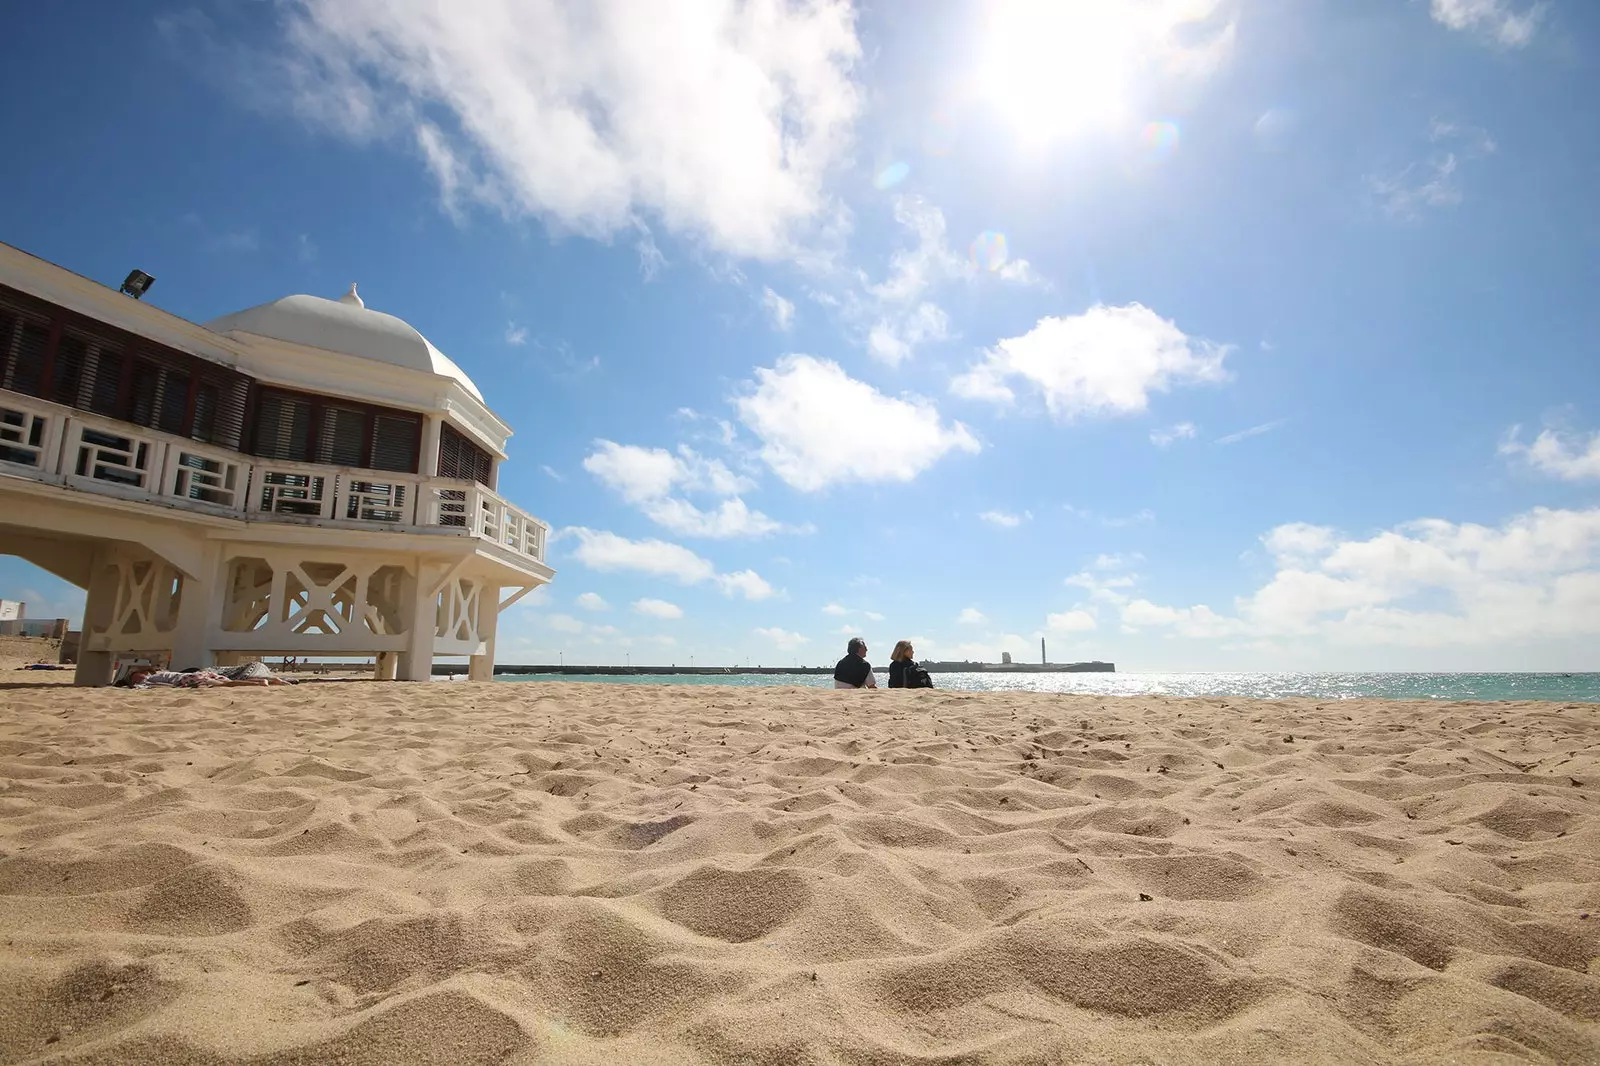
905, 673
852, 670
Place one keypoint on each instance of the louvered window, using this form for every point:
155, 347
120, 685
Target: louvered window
305, 428
460, 458
94, 367
342, 436
282, 427
395, 440
24, 342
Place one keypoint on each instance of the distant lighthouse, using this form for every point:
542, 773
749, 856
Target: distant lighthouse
1042, 660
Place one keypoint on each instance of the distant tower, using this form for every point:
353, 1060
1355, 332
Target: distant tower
1042, 660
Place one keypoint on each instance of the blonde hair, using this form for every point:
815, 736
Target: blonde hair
902, 650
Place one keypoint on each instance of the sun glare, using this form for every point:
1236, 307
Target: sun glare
1058, 67
1053, 67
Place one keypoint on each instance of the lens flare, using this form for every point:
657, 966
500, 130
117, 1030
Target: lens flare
1160, 138
891, 175
988, 251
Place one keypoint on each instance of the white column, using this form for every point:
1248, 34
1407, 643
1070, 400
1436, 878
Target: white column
384, 666
200, 613
99, 608
428, 464
422, 622
481, 667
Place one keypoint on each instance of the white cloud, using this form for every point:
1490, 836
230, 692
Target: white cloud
971, 616
819, 427
657, 608
779, 310
1568, 457
1497, 20
1428, 583
516, 335
990, 648
605, 551
1253, 431
1418, 186
592, 601
1106, 360
836, 609
872, 616
781, 638
641, 474
550, 470
1178, 431
719, 122
1005, 519
1076, 620
646, 477
1435, 181
746, 583
903, 316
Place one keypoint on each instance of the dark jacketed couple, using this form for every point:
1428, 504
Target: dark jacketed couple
853, 671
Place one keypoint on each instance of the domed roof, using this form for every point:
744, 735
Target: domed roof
346, 326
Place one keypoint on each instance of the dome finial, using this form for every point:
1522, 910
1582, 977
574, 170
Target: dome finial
352, 297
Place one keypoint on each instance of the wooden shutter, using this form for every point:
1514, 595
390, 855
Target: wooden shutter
460, 458
395, 439
342, 436
24, 344
283, 426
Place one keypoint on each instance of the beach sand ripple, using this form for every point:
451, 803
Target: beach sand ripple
614, 874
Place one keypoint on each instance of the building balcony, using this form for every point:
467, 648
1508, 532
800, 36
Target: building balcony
55, 445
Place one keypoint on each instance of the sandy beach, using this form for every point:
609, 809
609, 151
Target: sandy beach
357, 873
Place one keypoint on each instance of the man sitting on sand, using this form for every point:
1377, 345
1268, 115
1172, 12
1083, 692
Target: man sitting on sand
853, 671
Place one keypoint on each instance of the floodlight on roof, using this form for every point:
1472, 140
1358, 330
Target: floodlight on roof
137, 283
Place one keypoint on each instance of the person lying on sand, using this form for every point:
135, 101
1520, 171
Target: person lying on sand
250, 674
853, 671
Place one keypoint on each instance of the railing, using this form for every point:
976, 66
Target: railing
47, 442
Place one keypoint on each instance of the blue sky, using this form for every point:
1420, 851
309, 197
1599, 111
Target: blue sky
1189, 334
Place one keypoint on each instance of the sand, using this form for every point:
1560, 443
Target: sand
609, 874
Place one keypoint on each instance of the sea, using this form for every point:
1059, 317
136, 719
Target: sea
1565, 688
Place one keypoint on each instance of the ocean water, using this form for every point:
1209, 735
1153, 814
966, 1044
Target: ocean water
1567, 688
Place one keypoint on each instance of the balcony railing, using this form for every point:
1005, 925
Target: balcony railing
59, 445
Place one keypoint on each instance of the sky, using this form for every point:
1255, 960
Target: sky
1184, 334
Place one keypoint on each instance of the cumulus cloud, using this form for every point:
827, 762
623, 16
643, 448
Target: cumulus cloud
592, 601
1427, 583
719, 122
1565, 456
647, 478
902, 312
1076, 620
1105, 361
607, 552
657, 608
819, 427
746, 583
779, 311
1497, 20
781, 638
971, 616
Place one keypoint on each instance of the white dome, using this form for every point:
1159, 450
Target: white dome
345, 326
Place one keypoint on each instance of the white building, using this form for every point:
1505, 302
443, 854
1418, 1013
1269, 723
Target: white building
306, 477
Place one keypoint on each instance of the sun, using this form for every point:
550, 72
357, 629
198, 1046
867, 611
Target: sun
1053, 68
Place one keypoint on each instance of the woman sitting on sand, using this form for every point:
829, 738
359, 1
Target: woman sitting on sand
903, 669
853, 671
